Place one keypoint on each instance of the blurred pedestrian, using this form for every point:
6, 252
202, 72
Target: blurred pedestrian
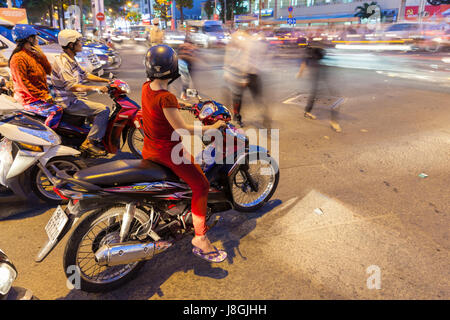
318, 73
187, 61
244, 57
156, 34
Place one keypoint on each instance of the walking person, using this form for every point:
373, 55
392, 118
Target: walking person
318, 72
244, 57
29, 69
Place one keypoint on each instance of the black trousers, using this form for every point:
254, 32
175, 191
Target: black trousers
255, 87
319, 74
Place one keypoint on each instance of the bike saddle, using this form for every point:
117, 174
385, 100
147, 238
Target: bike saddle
126, 172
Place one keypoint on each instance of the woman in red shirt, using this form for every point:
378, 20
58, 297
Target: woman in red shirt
161, 119
29, 69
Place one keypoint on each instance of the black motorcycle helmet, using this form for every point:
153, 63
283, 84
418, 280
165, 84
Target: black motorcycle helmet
161, 62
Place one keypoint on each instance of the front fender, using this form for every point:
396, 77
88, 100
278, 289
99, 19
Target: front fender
252, 154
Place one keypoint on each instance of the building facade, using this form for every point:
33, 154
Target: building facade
343, 11
146, 9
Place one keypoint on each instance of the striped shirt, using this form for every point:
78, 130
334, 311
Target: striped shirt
66, 72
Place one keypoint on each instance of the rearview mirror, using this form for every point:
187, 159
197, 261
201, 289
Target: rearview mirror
191, 93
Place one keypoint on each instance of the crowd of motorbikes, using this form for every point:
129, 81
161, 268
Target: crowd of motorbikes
132, 209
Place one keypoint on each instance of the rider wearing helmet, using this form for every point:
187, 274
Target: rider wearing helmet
161, 118
67, 78
29, 69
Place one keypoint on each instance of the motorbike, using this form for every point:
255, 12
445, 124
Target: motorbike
135, 209
73, 130
8, 273
31, 153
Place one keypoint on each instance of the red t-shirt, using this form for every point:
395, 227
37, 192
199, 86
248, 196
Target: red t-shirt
158, 131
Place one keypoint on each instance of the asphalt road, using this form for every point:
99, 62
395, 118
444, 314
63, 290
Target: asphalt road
377, 220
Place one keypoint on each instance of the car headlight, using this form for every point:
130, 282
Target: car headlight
212, 38
7, 276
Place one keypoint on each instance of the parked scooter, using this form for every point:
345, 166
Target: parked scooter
136, 209
8, 273
31, 153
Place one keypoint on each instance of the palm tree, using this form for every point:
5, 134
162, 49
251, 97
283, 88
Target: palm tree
363, 11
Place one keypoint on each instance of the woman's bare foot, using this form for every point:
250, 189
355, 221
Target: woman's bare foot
203, 243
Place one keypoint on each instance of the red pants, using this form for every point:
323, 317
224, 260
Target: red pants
193, 175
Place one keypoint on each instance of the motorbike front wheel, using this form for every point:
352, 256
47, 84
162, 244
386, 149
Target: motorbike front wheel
41, 184
251, 187
100, 228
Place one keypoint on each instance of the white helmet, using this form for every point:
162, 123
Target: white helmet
155, 21
67, 36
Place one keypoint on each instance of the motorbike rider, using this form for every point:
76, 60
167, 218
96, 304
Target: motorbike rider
29, 69
67, 78
161, 117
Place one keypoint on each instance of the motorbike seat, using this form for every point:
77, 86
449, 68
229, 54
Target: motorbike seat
126, 172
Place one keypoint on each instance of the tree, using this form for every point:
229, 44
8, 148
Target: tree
367, 11
134, 17
209, 8
162, 9
180, 4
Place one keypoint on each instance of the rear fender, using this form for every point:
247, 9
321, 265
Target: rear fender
58, 151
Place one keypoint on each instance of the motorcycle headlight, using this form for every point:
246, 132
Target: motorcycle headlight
207, 110
7, 276
99, 52
124, 87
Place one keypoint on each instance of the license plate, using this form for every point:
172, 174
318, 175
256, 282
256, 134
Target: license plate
56, 224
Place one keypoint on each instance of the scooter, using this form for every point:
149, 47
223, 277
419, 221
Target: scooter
31, 153
123, 118
8, 273
135, 209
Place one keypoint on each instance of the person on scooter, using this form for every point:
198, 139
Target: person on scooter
67, 78
161, 117
29, 69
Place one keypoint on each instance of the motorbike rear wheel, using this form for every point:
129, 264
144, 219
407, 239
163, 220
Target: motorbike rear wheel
135, 141
265, 174
42, 186
99, 228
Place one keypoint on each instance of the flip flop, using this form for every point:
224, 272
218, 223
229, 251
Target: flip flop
213, 256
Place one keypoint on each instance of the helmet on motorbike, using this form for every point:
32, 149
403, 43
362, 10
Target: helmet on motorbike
161, 62
67, 36
23, 31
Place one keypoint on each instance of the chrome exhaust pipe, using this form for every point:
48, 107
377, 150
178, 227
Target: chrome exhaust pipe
124, 253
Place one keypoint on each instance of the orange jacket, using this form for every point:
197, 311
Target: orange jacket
29, 75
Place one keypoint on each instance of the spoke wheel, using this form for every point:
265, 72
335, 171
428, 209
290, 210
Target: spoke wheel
265, 176
94, 232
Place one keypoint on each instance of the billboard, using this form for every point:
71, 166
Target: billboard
14, 15
431, 12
